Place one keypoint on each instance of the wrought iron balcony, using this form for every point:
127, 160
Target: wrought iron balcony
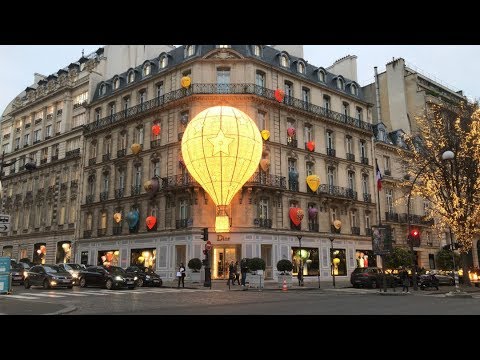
43, 161
364, 160
293, 185
177, 181
92, 161
263, 223
121, 153
292, 142
87, 234
74, 184
63, 186
313, 227
267, 180
89, 199
331, 152
158, 102
54, 157
337, 191
155, 143
119, 193
106, 157
415, 219
391, 216
12, 170
117, 229
101, 232
104, 196
367, 198
350, 157
355, 230
368, 232
388, 172
136, 190
181, 224
72, 153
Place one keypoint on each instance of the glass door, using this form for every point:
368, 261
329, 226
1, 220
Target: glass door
222, 256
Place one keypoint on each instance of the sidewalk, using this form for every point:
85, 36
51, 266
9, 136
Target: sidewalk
24, 307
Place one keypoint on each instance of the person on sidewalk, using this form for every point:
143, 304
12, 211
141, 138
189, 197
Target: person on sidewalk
405, 280
231, 273
244, 270
236, 268
181, 277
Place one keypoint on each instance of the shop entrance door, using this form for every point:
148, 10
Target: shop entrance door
222, 256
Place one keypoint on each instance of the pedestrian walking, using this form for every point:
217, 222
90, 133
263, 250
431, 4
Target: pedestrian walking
231, 274
236, 268
405, 280
244, 270
181, 275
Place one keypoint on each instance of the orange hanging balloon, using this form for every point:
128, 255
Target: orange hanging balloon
279, 95
311, 145
151, 221
136, 148
156, 129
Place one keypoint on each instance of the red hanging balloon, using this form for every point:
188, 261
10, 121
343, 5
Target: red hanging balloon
156, 129
296, 215
279, 95
311, 145
151, 221
291, 131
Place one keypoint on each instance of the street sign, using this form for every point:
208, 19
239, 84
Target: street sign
4, 223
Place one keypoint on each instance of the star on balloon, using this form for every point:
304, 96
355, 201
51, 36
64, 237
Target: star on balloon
220, 143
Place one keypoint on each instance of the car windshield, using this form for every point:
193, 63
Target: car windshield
73, 267
115, 270
360, 270
52, 269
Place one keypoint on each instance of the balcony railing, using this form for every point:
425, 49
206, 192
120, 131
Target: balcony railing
388, 172
104, 196
155, 143
106, 157
117, 230
63, 186
263, 223
267, 180
43, 161
367, 198
225, 89
391, 216
181, 224
121, 153
364, 160
350, 157
368, 232
177, 181
119, 193
355, 230
293, 185
331, 152
313, 227
136, 190
89, 199
54, 157
414, 219
101, 232
72, 153
92, 161
292, 142
337, 191
87, 234
74, 184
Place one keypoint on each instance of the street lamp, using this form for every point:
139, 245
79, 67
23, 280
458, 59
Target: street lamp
300, 271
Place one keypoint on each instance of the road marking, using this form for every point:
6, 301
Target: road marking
19, 297
43, 295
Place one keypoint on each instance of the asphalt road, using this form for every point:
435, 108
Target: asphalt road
168, 301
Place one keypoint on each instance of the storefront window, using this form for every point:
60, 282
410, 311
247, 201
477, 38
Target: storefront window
39, 253
64, 252
365, 258
108, 257
84, 258
310, 260
143, 257
339, 262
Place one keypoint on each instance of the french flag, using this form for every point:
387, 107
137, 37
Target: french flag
379, 177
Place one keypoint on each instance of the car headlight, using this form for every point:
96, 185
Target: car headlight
118, 278
135, 278
25, 274
54, 278
75, 275
147, 277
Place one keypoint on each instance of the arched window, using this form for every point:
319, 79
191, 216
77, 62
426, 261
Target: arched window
189, 50
163, 62
131, 76
321, 76
257, 50
116, 83
340, 83
283, 60
103, 220
147, 69
88, 221
353, 89
301, 67
103, 89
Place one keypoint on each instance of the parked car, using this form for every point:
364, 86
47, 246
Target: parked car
16, 271
443, 277
146, 276
369, 276
48, 276
109, 277
73, 269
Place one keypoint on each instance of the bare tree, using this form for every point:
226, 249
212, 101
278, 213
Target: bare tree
451, 186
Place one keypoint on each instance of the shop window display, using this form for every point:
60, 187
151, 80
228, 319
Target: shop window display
339, 262
108, 258
143, 257
365, 258
310, 260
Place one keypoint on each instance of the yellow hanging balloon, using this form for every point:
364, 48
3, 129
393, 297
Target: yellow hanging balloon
136, 148
117, 217
265, 134
313, 182
186, 81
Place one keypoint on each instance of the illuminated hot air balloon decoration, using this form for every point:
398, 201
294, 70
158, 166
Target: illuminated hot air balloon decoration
291, 132
265, 134
132, 219
296, 215
136, 148
279, 95
151, 221
117, 217
311, 145
313, 182
186, 81
312, 212
156, 129
222, 148
151, 186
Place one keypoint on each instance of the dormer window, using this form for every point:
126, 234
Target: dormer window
283, 60
116, 83
131, 76
163, 62
301, 67
322, 76
256, 50
340, 83
353, 89
147, 68
103, 89
189, 50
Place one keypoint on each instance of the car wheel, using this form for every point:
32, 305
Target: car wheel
374, 284
83, 283
140, 282
27, 284
109, 284
46, 284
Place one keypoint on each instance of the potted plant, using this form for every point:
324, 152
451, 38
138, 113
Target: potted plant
195, 265
285, 267
256, 266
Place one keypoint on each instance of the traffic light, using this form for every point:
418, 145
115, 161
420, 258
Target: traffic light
205, 234
414, 238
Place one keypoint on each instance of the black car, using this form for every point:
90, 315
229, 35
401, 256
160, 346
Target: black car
369, 276
145, 275
109, 277
73, 269
47, 276
16, 271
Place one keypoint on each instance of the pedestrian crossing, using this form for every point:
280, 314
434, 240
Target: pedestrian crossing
68, 294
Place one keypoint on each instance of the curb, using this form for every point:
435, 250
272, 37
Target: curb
67, 310
461, 295
393, 293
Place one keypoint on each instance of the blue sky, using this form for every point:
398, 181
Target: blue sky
454, 65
